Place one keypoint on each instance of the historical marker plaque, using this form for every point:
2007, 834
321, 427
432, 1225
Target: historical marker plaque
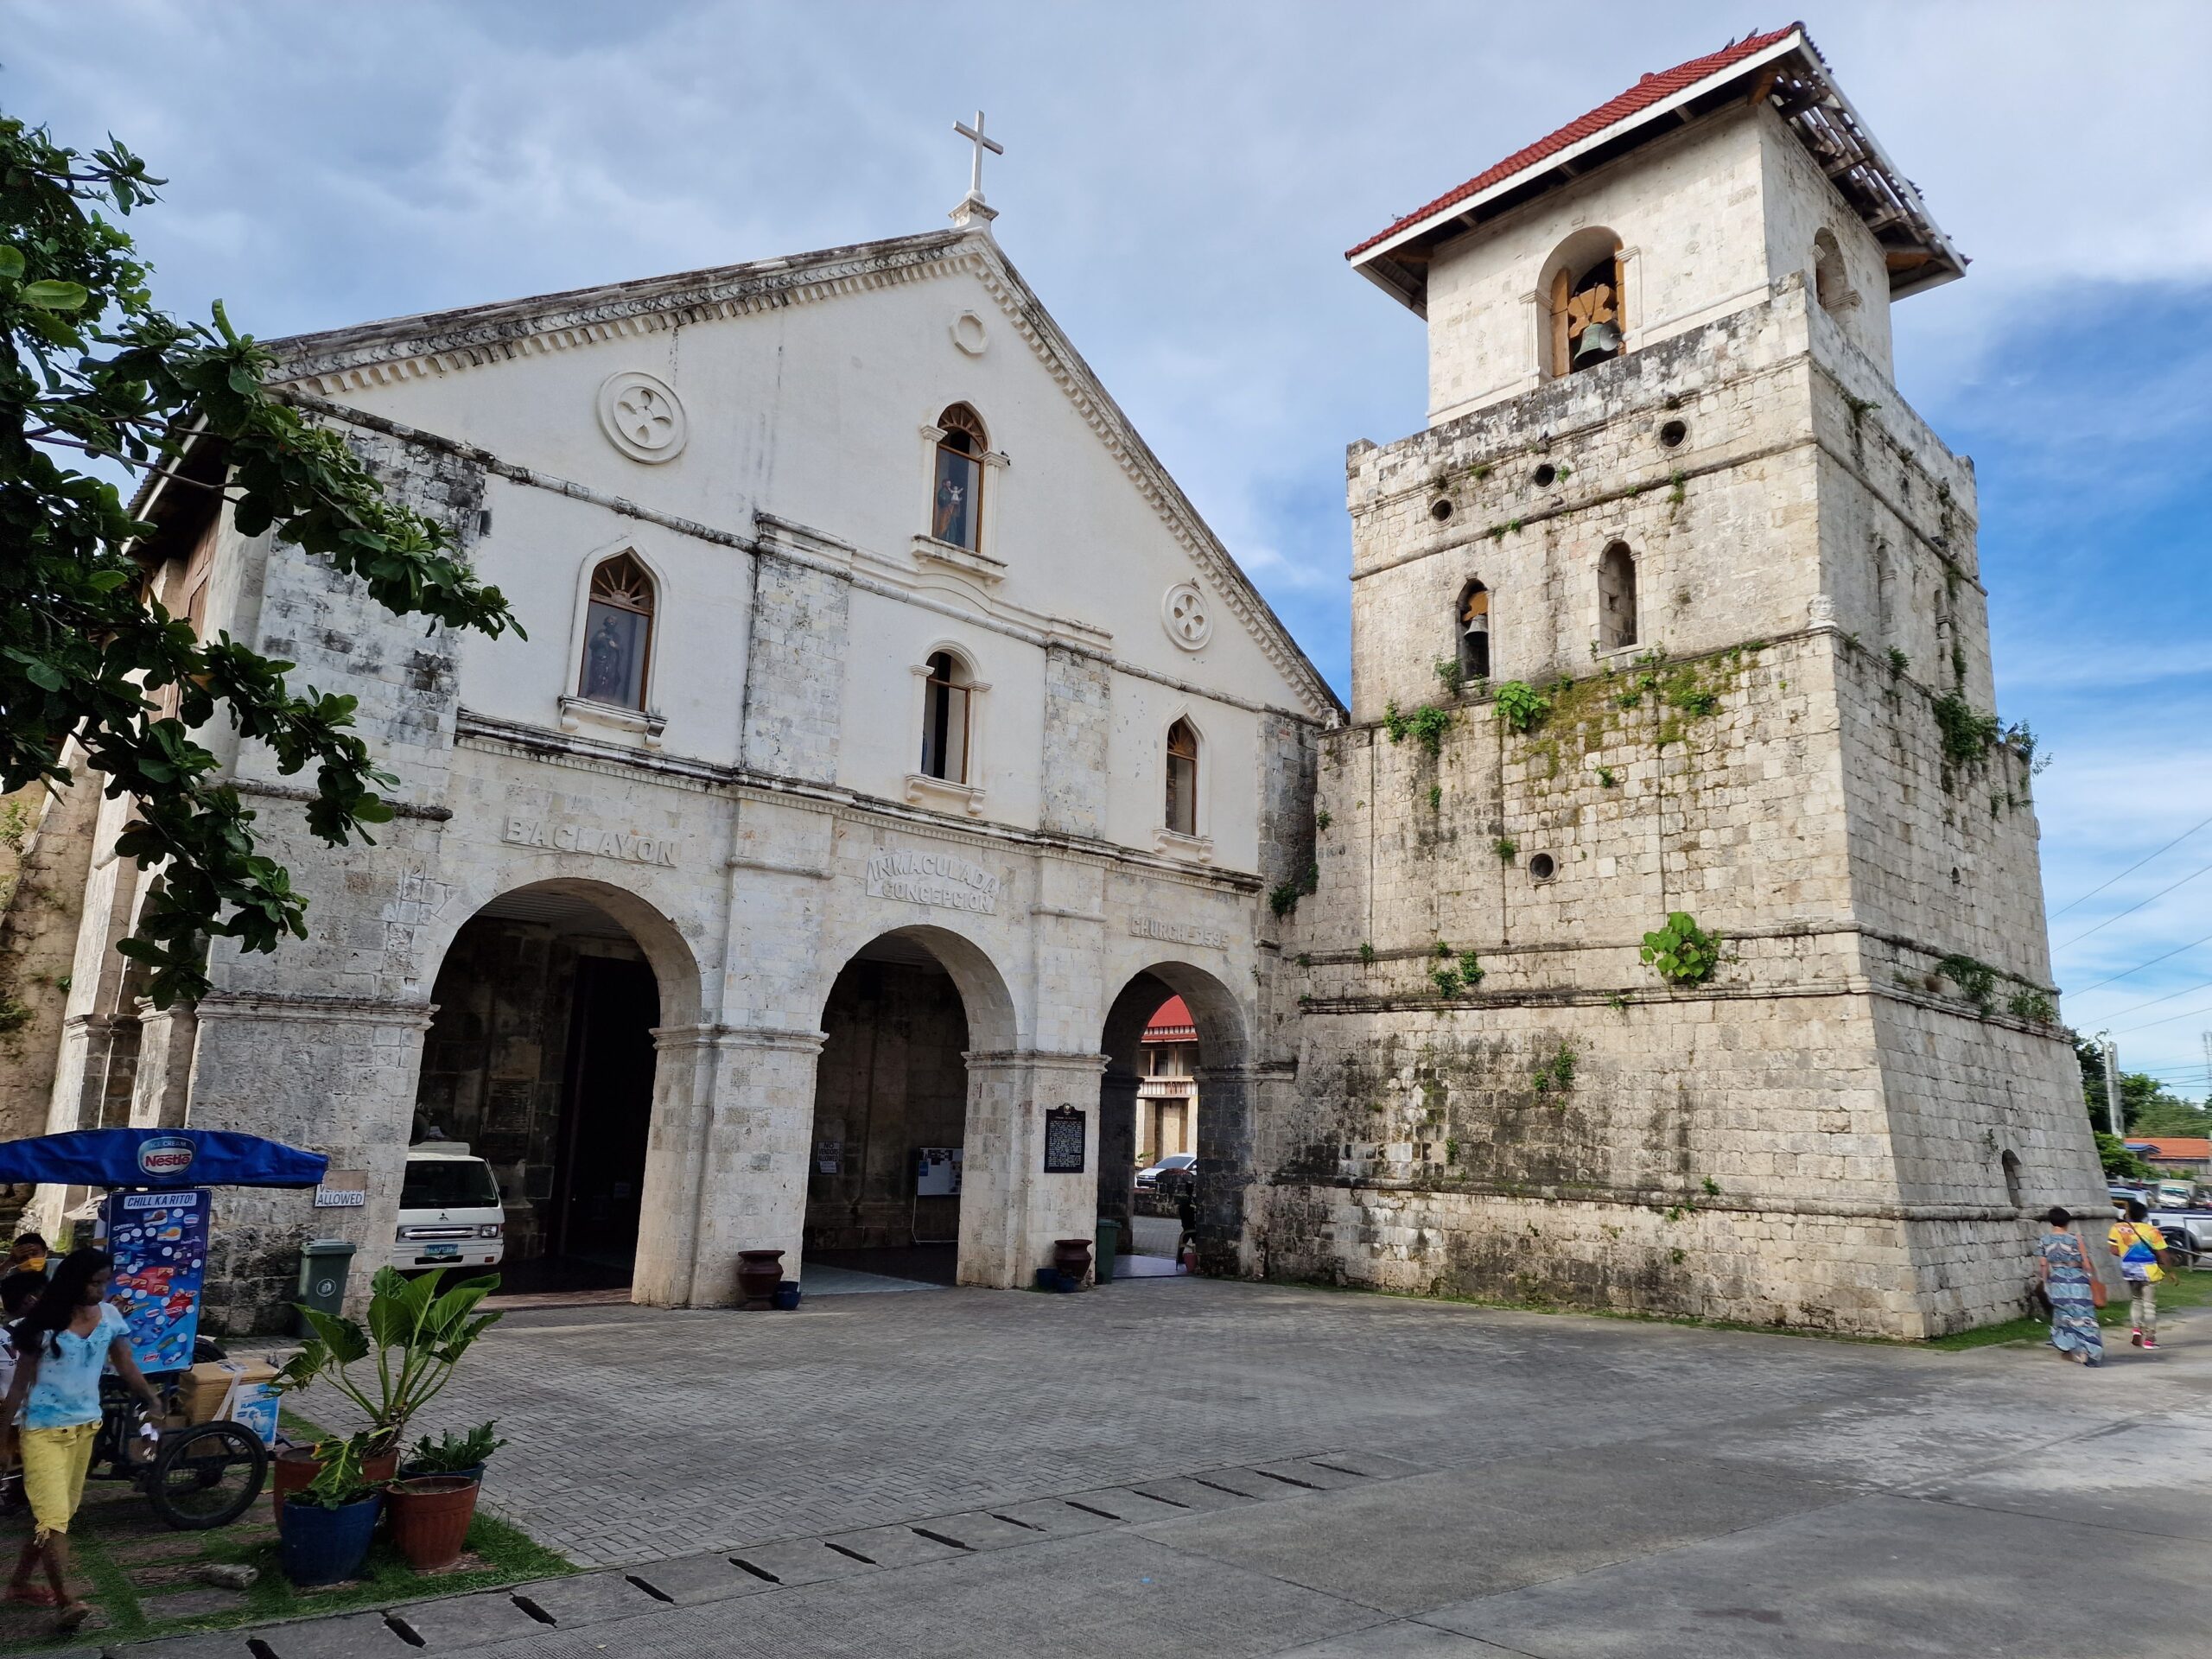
1063, 1140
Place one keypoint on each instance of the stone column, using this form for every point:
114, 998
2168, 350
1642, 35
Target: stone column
1117, 1151
97, 1054
1011, 1211
164, 1082
1226, 1096
333, 1074
726, 1164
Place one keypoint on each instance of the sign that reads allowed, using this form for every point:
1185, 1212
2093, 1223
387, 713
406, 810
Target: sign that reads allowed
945, 880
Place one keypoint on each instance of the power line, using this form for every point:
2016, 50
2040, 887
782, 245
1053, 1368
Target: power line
2153, 1003
2129, 871
2140, 966
2139, 905
2186, 1013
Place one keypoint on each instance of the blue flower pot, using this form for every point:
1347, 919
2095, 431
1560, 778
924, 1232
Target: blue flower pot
787, 1295
320, 1546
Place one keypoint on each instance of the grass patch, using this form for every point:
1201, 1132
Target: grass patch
115, 1530
2177, 1291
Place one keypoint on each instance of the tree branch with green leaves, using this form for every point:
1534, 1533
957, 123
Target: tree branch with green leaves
89, 365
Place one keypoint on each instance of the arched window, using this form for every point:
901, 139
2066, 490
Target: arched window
946, 701
618, 634
1616, 598
1830, 286
956, 508
1585, 307
1182, 779
1472, 626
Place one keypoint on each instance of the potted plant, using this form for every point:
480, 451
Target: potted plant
453, 1454
416, 1334
325, 1531
430, 1517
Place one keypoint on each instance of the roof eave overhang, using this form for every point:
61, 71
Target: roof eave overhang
1397, 265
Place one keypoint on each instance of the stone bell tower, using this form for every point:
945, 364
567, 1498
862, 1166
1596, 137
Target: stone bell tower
1673, 612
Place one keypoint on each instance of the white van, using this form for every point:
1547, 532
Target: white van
449, 1211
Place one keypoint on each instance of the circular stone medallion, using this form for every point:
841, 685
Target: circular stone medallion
641, 416
1186, 616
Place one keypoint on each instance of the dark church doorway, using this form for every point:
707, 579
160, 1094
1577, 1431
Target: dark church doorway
885, 1165
540, 1058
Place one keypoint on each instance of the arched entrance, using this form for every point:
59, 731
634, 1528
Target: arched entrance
1176, 1086
892, 1191
541, 1060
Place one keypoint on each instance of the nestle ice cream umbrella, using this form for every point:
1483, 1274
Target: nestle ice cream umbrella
157, 1212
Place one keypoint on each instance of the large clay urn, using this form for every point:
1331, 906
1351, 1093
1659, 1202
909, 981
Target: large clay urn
1072, 1257
759, 1273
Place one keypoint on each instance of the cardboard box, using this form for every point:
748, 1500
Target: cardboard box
201, 1390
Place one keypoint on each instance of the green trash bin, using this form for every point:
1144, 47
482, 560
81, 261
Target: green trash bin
1110, 1241
324, 1263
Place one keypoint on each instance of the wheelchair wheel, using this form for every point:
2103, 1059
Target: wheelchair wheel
207, 1476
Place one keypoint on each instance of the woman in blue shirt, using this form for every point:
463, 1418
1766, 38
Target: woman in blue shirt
61, 1346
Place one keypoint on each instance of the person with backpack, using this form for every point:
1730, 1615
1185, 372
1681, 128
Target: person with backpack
2141, 1248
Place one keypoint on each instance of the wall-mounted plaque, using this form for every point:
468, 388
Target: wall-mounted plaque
1063, 1140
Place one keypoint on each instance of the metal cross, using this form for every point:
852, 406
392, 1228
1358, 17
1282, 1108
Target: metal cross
975, 135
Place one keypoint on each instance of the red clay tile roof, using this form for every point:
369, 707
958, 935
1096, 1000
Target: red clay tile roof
2176, 1146
1652, 89
1170, 1023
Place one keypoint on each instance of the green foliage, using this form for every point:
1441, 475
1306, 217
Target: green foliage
1447, 670
1966, 734
1366, 952
1303, 960
415, 1335
1898, 663
1681, 481
1310, 879
1435, 797
341, 1479
1428, 723
2146, 1106
14, 825
1470, 968
1696, 701
1284, 898
1520, 705
1555, 1074
1606, 779
2120, 1164
1712, 1187
1322, 820
1506, 849
1681, 952
91, 365
450, 1451
2029, 1003
1976, 980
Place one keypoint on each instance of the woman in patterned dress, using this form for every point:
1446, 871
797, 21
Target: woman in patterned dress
2063, 1262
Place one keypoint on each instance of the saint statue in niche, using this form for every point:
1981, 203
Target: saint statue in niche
606, 677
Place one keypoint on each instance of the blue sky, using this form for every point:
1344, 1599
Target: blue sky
1179, 186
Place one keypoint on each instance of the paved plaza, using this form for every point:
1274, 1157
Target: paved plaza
1193, 1467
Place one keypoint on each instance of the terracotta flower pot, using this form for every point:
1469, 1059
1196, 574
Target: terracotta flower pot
430, 1518
1072, 1257
759, 1273
294, 1470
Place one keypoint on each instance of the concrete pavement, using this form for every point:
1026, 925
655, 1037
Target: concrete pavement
1187, 1467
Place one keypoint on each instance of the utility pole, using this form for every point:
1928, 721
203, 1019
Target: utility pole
2112, 1083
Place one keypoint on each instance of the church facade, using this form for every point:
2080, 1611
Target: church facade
890, 740
1659, 929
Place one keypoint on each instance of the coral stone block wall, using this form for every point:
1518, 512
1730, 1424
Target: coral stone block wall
1851, 1124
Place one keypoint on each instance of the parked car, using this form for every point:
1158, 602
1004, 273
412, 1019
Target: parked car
450, 1211
1171, 1177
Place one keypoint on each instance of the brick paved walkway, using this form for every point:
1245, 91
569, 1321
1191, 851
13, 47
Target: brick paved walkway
1186, 1466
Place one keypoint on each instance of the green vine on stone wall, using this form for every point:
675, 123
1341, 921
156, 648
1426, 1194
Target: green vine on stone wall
1427, 723
1557, 1074
1520, 705
1968, 733
1681, 953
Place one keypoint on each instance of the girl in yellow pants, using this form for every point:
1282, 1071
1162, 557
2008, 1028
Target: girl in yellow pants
61, 1344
